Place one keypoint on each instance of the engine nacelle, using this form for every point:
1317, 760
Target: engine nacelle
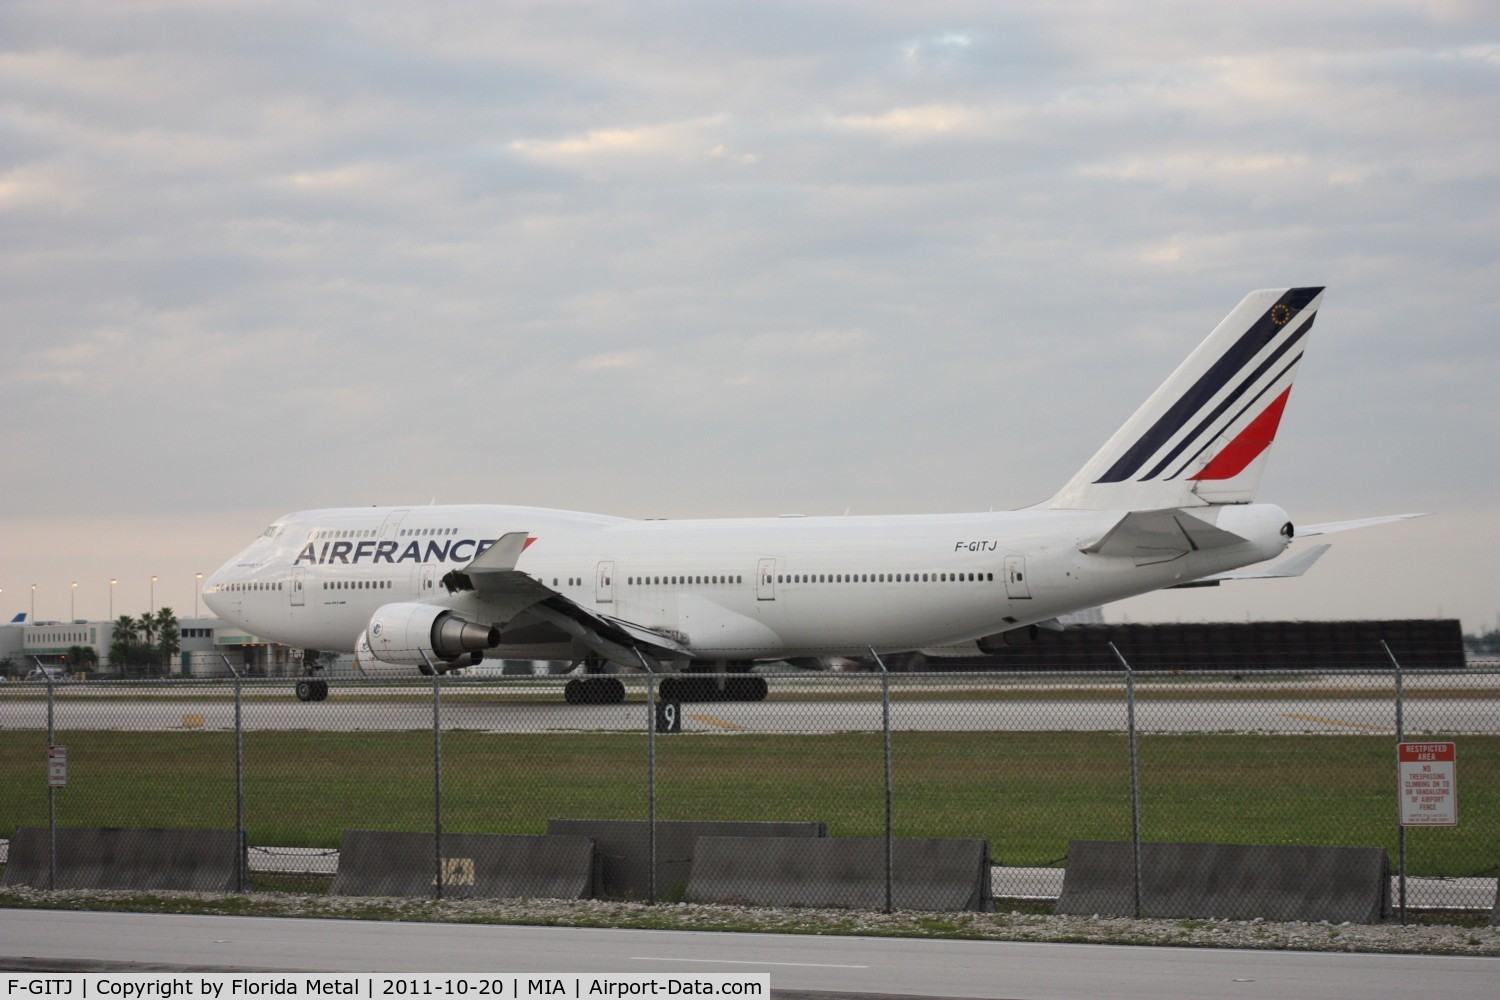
417, 634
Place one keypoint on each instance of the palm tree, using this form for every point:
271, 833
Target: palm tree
171, 639
147, 626
82, 658
126, 628
127, 633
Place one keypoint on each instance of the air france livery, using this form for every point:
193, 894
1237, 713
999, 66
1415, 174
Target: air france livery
1168, 501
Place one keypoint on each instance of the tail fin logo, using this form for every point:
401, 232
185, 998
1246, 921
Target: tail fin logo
1247, 445
1192, 423
1203, 437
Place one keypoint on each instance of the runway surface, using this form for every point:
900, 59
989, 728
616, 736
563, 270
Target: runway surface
1363, 705
798, 965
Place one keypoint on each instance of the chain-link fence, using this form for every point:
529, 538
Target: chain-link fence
1026, 765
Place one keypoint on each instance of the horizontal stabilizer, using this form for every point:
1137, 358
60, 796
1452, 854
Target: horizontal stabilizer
1289, 567
1331, 527
1159, 536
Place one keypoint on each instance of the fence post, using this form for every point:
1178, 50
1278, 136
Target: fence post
437, 779
241, 876
650, 774
885, 725
1400, 737
51, 789
1135, 777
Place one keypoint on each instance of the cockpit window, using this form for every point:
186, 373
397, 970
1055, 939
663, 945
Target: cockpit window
271, 532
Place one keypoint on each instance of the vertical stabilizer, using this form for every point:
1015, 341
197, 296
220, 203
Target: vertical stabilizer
1203, 437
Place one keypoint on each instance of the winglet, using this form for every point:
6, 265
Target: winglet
494, 568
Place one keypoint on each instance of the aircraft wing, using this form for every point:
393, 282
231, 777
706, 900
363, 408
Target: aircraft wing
1364, 522
512, 597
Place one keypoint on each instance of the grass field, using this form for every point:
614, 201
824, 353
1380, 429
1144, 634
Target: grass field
1027, 793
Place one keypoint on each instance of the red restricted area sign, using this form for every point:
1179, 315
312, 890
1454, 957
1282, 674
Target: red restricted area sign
1429, 783
57, 766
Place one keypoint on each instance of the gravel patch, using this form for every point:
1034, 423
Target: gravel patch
1442, 939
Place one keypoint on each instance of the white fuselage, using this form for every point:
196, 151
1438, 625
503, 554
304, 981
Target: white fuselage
737, 589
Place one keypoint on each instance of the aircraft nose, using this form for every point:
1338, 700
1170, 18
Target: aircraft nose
213, 592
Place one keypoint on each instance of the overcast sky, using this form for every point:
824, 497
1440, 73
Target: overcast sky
677, 259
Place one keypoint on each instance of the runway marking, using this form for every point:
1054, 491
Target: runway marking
714, 720
1335, 722
738, 961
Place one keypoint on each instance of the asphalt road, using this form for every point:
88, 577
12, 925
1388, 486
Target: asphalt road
798, 965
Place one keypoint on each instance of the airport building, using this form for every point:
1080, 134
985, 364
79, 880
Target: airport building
204, 646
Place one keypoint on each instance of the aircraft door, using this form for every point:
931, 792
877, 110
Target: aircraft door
392, 524
765, 580
1016, 587
604, 582
426, 587
299, 587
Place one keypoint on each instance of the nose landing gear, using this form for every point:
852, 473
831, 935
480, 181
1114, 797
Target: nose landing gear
311, 689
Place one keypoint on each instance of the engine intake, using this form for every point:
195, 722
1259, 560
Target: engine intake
418, 634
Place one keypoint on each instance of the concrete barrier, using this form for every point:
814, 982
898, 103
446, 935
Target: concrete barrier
623, 849
1228, 881
475, 865
844, 872
116, 858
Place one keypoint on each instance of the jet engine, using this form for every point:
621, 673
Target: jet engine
418, 634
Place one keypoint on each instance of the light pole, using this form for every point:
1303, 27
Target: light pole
197, 586
153, 595
33, 604
73, 602
112, 599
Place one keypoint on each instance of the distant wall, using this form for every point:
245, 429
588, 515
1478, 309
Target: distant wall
1419, 643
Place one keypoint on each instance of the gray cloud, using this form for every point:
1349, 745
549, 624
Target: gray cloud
686, 260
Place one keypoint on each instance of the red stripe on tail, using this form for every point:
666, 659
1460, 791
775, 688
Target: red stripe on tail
1248, 445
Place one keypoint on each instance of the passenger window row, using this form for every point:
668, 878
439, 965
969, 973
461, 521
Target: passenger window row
886, 578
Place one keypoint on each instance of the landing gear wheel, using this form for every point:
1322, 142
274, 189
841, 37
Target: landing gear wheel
700, 688
614, 691
309, 689
594, 691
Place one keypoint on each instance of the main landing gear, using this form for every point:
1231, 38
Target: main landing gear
595, 689
700, 687
598, 689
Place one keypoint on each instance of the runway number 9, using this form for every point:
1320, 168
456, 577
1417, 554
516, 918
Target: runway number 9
669, 717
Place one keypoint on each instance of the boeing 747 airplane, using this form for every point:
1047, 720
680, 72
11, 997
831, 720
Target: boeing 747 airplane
1168, 501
